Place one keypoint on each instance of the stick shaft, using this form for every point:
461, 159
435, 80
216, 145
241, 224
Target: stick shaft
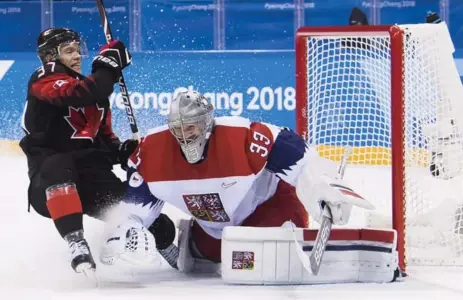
324, 232
122, 84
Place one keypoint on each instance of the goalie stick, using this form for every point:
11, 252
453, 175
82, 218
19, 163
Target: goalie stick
122, 85
313, 261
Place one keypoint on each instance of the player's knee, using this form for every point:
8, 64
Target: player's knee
37, 197
293, 211
300, 218
58, 168
40, 207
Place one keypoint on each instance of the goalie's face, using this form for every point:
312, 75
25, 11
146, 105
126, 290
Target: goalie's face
187, 133
70, 55
190, 122
191, 136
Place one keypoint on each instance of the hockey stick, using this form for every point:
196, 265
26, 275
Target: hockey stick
122, 85
313, 262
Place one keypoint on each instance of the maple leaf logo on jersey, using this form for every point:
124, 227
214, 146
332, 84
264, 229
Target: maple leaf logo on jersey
85, 121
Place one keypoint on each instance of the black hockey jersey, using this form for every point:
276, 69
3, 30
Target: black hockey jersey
66, 111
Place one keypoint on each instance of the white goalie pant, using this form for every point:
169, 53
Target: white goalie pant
268, 256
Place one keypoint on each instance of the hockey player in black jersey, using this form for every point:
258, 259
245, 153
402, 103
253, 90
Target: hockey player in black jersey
69, 141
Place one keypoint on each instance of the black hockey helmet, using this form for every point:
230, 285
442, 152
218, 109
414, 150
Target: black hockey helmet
50, 41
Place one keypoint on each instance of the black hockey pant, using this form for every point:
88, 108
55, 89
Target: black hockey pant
98, 187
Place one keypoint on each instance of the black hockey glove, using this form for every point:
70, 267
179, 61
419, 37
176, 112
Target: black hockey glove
113, 56
125, 150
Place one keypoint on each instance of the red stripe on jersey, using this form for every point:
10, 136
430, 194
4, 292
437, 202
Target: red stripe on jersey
162, 160
353, 235
350, 193
62, 89
54, 86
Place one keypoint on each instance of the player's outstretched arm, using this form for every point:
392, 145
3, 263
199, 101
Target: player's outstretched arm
60, 89
56, 86
289, 157
316, 187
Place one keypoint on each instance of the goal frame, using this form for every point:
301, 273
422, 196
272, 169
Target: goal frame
396, 35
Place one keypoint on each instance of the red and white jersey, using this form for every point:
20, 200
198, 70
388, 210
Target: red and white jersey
243, 164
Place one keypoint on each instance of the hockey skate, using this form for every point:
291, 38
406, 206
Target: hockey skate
80, 255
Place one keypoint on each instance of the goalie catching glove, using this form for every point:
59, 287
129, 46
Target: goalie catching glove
317, 190
130, 242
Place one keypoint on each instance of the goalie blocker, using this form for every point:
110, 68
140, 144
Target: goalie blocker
268, 256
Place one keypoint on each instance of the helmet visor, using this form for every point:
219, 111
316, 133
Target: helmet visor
69, 47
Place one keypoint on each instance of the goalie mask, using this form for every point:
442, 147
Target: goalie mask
53, 40
190, 121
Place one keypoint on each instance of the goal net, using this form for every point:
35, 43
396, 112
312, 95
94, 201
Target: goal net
393, 95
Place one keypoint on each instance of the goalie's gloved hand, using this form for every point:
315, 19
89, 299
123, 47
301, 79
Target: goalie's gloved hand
432, 17
125, 150
113, 56
130, 242
320, 191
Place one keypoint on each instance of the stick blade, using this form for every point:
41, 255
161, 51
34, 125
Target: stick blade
305, 260
316, 255
89, 272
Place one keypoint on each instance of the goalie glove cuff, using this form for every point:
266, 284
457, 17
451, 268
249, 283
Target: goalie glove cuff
316, 191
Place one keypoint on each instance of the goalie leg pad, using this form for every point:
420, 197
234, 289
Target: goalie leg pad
189, 260
268, 256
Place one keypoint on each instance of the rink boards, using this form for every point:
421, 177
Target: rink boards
375, 156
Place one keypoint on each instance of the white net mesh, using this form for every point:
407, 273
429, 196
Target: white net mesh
349, 103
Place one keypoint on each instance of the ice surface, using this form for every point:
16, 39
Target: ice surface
34, 265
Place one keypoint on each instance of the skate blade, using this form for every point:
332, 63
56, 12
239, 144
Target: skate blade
88, 271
